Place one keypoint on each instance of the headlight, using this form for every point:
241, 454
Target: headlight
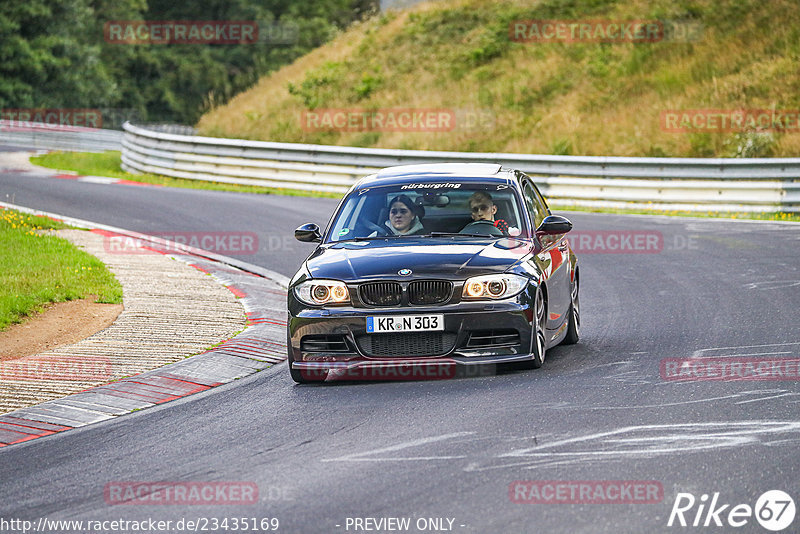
318, 292
493, 286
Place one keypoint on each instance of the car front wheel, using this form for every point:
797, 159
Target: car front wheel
538, 342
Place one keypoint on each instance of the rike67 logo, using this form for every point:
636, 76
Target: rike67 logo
774, 510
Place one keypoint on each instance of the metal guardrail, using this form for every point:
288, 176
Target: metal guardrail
695, 184
54, 137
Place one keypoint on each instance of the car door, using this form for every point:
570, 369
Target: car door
553, 260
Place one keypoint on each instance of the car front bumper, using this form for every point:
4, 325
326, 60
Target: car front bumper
468, 326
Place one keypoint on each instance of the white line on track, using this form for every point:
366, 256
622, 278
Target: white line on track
357, 457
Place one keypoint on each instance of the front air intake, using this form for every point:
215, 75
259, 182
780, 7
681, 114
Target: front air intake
381, 293
425, 292
406, 345
492, 338
324, 343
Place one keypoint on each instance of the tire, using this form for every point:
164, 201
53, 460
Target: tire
538, 343
302, 376
574, 327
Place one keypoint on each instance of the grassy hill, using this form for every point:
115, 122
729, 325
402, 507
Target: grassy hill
554, 98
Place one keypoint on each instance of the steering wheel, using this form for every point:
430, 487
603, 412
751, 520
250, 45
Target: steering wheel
481, 227
382, 230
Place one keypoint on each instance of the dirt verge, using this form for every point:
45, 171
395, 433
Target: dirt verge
61, 323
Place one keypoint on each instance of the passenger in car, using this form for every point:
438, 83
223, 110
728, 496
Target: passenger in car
405, 217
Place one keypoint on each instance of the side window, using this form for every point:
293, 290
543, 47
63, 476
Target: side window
535, 207
543, 205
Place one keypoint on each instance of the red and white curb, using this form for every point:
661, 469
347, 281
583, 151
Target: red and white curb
260, 345
104, 180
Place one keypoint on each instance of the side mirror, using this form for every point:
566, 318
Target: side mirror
554, 225
308, 233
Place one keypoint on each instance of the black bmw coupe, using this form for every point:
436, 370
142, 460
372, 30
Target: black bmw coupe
425, 269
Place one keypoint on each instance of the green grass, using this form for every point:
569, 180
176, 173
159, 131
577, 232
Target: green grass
37, 269
586, 98
108, 164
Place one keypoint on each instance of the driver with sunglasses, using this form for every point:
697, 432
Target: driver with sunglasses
482, 208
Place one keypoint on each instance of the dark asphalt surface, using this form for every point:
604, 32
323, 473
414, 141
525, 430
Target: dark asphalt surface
450, 449
10, 148
166, 211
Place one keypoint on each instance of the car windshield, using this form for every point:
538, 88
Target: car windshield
429, 209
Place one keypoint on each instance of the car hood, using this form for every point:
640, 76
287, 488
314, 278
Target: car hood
452, 258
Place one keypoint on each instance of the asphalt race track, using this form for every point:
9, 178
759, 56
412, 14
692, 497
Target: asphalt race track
452, 449
166, 210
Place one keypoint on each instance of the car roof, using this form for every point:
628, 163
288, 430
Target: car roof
425, 172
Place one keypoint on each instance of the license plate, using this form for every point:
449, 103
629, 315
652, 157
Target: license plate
405, 323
